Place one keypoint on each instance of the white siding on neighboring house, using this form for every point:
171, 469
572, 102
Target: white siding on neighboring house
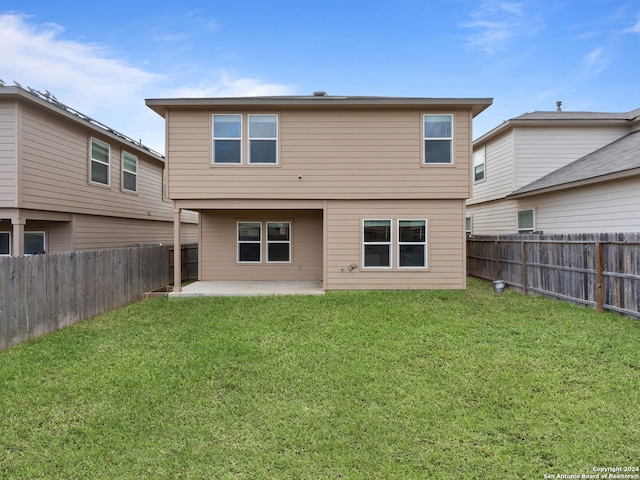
498, 180
541, 150
600, 208
494, 218
8, 154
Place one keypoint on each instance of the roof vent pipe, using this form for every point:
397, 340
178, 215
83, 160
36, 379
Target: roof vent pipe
559, 105
319, 94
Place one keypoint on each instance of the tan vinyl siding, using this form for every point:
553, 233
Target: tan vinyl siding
498, 180
599, 208
218, 249
93, 232
494, 218
323, 155
540, 151
8, 155
445, 245
56, 172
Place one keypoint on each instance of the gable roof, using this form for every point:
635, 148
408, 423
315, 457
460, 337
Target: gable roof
50, 103
620, 158
562, 118
319, 99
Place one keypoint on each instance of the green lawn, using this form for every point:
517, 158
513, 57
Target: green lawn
371, 385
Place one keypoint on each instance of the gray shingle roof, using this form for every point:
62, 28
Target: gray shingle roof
617, 157
555, 115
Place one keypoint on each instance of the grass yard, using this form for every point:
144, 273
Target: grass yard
363, 385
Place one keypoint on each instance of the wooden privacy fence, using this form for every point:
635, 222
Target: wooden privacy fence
597, 270
189, 260
42, 293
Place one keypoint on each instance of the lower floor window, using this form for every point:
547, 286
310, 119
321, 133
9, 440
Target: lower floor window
34, 243
525, 221
5, 243
278, 242
410, 243
249, 242
377, 243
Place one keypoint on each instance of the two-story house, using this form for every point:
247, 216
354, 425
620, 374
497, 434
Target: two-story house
557, 172
356, 192
69, 183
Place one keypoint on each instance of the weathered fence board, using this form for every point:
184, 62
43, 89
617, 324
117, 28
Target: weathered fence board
599, 270
189, 260
42, 293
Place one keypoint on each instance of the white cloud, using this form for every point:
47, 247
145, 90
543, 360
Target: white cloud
91, 79
635, 28
226, 85
83, 76
595, 61
497, 22
37, 56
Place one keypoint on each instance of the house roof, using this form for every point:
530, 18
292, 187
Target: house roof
563, 116
620, 158
49, 102
318, 99
556, 118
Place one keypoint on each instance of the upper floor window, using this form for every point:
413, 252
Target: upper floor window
227, 139
5, 243
525, 221
129, 172
263, 139
253, 136
438, 139
478, 164
100, 153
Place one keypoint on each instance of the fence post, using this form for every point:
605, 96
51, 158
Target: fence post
496, 256
523, 247
599, 277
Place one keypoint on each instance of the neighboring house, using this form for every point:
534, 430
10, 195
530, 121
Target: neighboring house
69, 183
357, 192
557, 172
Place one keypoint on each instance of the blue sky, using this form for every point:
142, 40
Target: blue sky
525, 54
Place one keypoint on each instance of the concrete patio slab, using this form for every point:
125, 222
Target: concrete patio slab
247, 288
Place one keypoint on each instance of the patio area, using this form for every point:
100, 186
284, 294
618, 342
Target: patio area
247, 288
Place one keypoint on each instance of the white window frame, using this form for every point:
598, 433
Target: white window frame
533, 221
125, 171
96, 160
214, 138
34, 232
8, 254
479, 159
468, 225
239, 242
271, 139
449, 138
389, 244
400, 243
269, 242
